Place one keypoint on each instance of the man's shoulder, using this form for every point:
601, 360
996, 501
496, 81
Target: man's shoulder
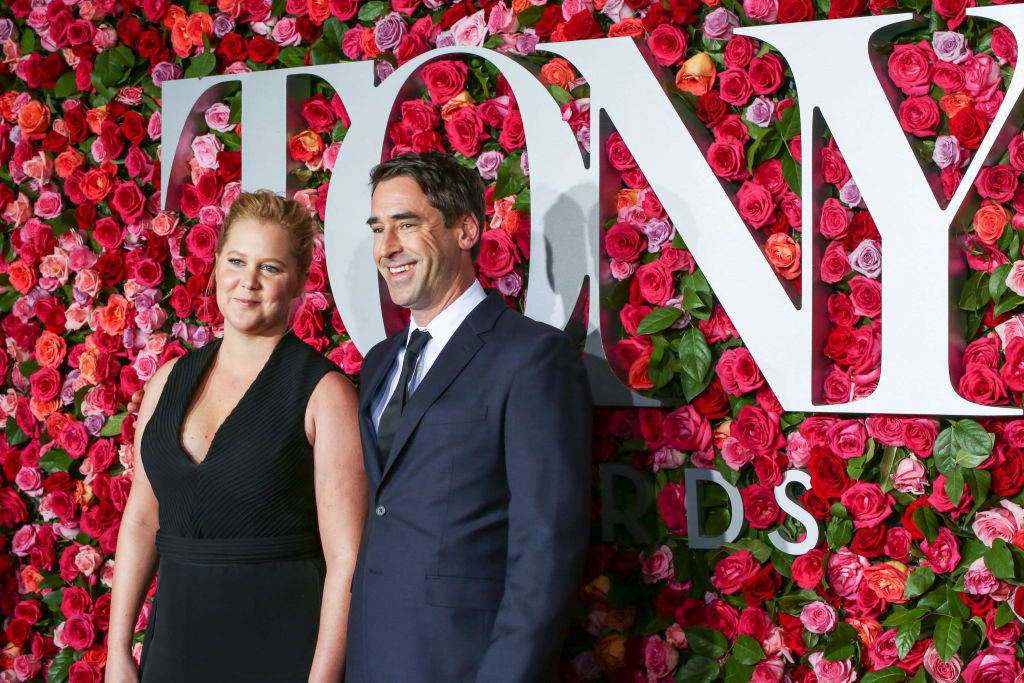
515, 329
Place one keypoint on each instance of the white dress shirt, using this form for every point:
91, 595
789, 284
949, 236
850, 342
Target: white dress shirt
441, 329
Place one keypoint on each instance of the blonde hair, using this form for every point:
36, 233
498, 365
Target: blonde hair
264, 205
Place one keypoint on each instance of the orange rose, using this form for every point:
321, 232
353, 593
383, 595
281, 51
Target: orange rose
234, 7
67, 161
633, 27
721, 433
887, 580
520, 5
558, 72
41, 409
611, 652
199, 24
510, 223
319, 10
174, 14
22, 276
369, 42
990, 221
627, 197
94, 118
460, 101
180, 40
34, 120
50, 349
113, 317
18, 211
954, 102
638, 377
697, 75
31, 578
56, 423
867, 629
96, 185
306, 146
784, 255
87, 366
7, 105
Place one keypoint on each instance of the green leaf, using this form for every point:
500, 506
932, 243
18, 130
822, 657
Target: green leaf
530, 16
947, 637
945, 451
371, 10
736, 672
1007, 303
54, 598
997, 281
1004, 615
55, 460
560, 94
658, 319
706, 641
842, 644
760, 550
292, 56
918, 582
954, 486
999, 560
906, 636
694, 353
697, 670
839, 532
975, 294
323, 52
747, 650
791, 173
58, 672
201, 65
113, 425
28, 42
15, 437
902, 616
890, 674
926, 521
66, 85
970, 436
970, 460
333, 31
885, 469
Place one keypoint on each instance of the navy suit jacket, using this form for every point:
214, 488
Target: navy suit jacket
478, 521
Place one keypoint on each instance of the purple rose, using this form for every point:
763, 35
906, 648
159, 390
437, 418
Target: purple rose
947, 152
718, 25
866, 258
850, 194
389, 31
761, 112
488, 162
950, 46
7, 30
165, 71
511, 283
222, 25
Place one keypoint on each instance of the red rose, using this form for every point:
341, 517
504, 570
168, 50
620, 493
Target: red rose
262, 50
581, 26
420, 115
672, 506
734, 87
984, 351
807, 570
79, 631
74, 601
318, 114
210, 187
866, 504
847, 438
919, 435
444, 79
869, 542
343, 10
19, 632
968, 126
667, 44
83, 672
998, 183
1012, 371
910, 68
844, 9
760, 507
149, 273
624, 242
229, 165
512, 134
45, 383
498, 254
619, 155
738, 372
711, 109
128, 201
953, 11
687, 430
866, 296
758, 430
766, 74
981, 384
465, 131
919, 116
756, 205
110, 266
728, 159
732, 572
791, 11
762, 586
829, 479
833, 166
739, 51
234, 48
201, 241
1004, 45
655, 282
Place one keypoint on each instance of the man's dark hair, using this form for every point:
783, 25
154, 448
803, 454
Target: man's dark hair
451, 188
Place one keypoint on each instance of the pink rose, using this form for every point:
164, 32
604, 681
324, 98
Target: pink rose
762, 10
832, 672
847, 438
738, 372
818, 617
919, 435
942, 672
79, 632
759, 504
993, 665
867, 504
846, 572
206, 148
471, 30
735, 454
660, 658
49, 205
989, 525
979, 580
910, 476
24, 540
734, 571
910, 69
88, 560
897, 543
687, 430
218, 116
26, 667
944, 553
768, 671
657, 566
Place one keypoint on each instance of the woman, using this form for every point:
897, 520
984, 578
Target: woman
247, 460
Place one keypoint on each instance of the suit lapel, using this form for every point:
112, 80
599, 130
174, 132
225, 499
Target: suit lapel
368, 393
457, 353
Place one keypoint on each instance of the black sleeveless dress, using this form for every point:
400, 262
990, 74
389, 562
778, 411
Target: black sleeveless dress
241, 569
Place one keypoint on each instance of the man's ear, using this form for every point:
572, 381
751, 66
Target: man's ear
469, 231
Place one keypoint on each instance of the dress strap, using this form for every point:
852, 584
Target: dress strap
239, 550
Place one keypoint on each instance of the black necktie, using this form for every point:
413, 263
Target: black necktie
388, 425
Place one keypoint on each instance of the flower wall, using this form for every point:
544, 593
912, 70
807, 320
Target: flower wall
922, 545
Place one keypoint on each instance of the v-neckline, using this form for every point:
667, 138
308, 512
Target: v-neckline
197, 382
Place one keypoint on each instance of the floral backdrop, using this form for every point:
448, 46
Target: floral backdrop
922, 546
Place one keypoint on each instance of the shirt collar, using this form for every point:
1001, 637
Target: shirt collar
444, 324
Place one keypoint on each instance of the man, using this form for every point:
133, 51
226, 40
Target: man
476, 442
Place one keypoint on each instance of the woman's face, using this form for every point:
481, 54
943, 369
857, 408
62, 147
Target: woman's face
257, 277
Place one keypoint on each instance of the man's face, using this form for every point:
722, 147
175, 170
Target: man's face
423, 262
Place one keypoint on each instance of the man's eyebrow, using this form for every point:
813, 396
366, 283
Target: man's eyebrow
395, 217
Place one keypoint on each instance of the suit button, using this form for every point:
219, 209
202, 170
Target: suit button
380, 510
